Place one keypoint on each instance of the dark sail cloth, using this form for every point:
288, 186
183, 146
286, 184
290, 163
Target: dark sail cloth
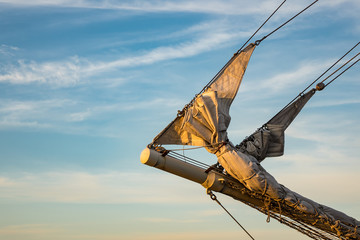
269, 140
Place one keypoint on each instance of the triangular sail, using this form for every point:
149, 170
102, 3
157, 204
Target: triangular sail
205, 120
269, 140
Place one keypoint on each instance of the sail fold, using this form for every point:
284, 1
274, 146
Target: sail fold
269, 140
205, 120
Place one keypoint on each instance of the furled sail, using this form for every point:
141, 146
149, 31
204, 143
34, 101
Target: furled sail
204, 122
268, 141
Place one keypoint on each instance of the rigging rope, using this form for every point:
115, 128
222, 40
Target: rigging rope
317, 79
261, 26
330, 67
259, 41
227, 64
342, 72
213, 197
233, 57
340, 68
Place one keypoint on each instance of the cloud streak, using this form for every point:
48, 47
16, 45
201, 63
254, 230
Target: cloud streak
120, 188
76, 70
108, 187
73, 116
304, 72
218, 7
231, 7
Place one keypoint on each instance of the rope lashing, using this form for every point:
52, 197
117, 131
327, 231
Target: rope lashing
213, 197
267, 203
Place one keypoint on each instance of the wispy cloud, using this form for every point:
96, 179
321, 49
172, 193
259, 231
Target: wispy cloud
75, 70
303, 73
109, 187
183, 50
64, 114
336, 102
8, 50
121, 187
322, 128
30, 113
231, 7
63, 73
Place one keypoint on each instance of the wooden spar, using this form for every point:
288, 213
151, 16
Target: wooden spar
219, 182
172, 165
212, 180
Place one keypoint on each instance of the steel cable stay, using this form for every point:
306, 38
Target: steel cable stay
261, 26
342, 72
238, 51
213, 197
340, 68
330, 67
257, 42
321, 85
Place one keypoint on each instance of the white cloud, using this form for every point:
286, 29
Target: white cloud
329, 128
336, 102
65, 73
206, 36
78, 117
32, 114
183, 50
8, 50
230, 7
75, 70
302, 74
65, 110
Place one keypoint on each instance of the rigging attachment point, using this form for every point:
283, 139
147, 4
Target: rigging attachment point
320, 86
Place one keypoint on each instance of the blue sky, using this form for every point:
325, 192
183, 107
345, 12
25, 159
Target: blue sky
86, 85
